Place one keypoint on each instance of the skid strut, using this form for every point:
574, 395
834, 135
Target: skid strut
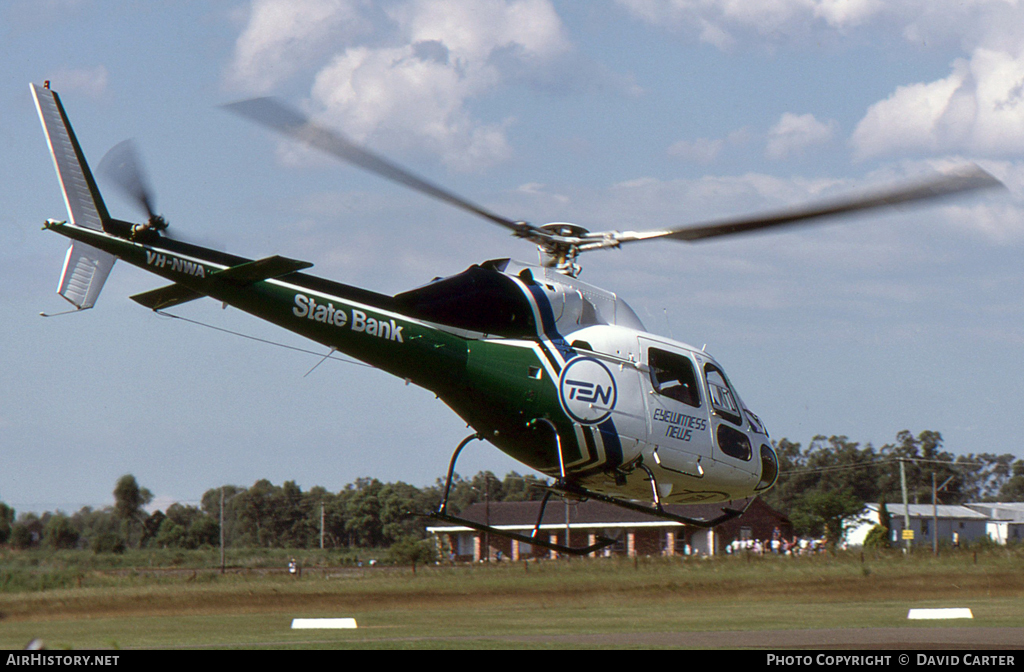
535, 539
564, 487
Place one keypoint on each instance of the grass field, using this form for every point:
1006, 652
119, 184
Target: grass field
586, 603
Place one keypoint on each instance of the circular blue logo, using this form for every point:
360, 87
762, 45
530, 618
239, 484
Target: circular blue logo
586, 390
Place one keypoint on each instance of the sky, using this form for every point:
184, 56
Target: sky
611, 114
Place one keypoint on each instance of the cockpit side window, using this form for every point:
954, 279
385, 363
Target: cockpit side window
673, 376
723, 401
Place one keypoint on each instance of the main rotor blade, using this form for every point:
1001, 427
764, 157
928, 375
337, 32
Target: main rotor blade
969, 178
275, 115
122, 165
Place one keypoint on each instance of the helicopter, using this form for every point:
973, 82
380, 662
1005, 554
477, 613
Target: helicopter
559, 374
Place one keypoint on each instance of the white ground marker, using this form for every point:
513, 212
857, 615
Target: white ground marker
323, 623
923, 614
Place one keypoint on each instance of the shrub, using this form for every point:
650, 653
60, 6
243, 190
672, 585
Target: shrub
877, 538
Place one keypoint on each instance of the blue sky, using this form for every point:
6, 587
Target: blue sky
629, 114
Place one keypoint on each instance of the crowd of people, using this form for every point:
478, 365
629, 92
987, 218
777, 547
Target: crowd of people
777, 545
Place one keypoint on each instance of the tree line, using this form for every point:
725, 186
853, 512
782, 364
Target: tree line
364, 514
821, 488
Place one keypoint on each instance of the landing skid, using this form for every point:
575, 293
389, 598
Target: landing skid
568, 489
656, 511
522, 538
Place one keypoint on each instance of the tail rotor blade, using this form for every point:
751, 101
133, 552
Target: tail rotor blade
121, 165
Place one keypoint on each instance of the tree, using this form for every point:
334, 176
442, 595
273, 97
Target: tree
1013, 489
411, 551
107, 542
151, 527
828, 513
6, 520
399, 504
183, 526
211, 507
171, 535
362, 513
129, 499
516, 488
59, 533
879, 536
204, 531
256, 514
884, 519
21, 535
100, 529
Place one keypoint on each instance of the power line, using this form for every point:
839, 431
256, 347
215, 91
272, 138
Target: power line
881, 463
263, 340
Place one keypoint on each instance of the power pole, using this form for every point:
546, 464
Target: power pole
487, 518
222, 562
935, 518
906, 506
321, 526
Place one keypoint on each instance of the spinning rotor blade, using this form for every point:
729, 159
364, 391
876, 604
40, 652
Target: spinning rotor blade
969, 178
275, 115
122, 166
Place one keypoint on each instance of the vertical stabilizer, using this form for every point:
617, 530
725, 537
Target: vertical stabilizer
85, 271
85, 267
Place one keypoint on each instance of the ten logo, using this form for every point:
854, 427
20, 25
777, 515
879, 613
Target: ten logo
586, 390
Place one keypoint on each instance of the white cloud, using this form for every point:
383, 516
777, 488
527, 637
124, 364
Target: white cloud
718, 22
413, 85
701, 150
282, 36
978, 108
837, 13
795, 133
90, 81
399, 96
706, 150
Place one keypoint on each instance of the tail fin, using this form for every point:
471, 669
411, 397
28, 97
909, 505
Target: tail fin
85, 268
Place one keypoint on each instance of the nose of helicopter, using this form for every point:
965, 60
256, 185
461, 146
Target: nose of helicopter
769, 468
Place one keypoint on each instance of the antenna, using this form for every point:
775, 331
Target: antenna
331, 352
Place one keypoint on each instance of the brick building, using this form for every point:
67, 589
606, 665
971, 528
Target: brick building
636, 534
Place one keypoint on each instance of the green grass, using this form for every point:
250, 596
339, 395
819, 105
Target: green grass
510, 605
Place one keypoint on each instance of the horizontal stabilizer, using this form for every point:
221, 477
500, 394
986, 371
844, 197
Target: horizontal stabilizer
166, 297
261, 269
240, 275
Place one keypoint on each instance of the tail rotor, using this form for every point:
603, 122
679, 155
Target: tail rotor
122, 166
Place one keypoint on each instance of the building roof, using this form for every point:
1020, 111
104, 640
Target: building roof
927, 511
1003, 511
589, 514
